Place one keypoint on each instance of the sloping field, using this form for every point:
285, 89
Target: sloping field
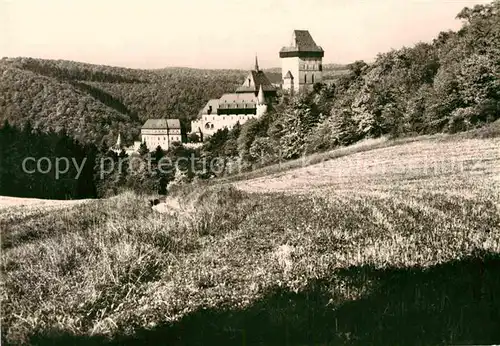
434, 164
13, 209
8, 202
392, 246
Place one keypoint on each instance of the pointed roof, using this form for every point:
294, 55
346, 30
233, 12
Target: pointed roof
302, 44
256, 63
254, 81
288, 75
119, 141
260, 97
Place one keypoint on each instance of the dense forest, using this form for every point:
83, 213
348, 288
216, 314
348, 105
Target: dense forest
93, 102
449, 85
28, 161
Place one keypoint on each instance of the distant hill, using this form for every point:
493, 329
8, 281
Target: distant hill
330, 71
95, 102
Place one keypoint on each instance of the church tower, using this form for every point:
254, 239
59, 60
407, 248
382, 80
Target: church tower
301, 62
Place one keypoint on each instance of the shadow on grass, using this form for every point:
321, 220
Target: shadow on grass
453, 303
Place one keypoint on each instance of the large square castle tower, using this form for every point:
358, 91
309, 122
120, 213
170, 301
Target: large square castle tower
301, 62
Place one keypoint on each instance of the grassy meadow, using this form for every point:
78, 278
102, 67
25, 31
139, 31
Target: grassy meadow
404, 249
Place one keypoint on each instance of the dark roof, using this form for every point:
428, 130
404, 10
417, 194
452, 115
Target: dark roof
274, 77
289, 75
257, 78
302, 41
162, 124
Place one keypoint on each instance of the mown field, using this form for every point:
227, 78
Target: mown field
396, 245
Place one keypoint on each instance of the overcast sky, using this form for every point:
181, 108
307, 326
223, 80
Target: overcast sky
215, 33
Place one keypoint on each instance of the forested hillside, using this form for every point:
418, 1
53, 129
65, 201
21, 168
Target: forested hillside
449, 85
94, 102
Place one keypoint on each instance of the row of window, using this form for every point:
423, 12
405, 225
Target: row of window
174, 139
311, 67
210, 126
223, 117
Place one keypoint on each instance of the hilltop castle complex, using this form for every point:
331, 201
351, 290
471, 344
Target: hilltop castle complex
301, 67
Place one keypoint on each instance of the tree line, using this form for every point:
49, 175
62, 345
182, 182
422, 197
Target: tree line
53, 165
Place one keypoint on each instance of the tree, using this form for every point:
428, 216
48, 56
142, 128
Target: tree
249, 132
143, 149
263, 151
193, 137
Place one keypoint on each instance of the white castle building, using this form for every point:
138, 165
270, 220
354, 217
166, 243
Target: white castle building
154, 133
301, 68
249, 101
161, 132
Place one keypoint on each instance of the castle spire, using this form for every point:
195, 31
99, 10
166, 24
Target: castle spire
256, 63
119, 141
260, 96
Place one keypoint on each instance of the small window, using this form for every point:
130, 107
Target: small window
312, 77
305, 78
212, 126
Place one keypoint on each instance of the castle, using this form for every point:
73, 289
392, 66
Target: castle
301, 68
249, 101
301, 62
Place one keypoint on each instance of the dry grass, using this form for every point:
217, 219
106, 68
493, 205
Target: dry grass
489, 131
423, 163
391, 253
7, 202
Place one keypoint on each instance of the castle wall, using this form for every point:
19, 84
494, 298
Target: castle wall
306, 71
310, 72
211, 123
